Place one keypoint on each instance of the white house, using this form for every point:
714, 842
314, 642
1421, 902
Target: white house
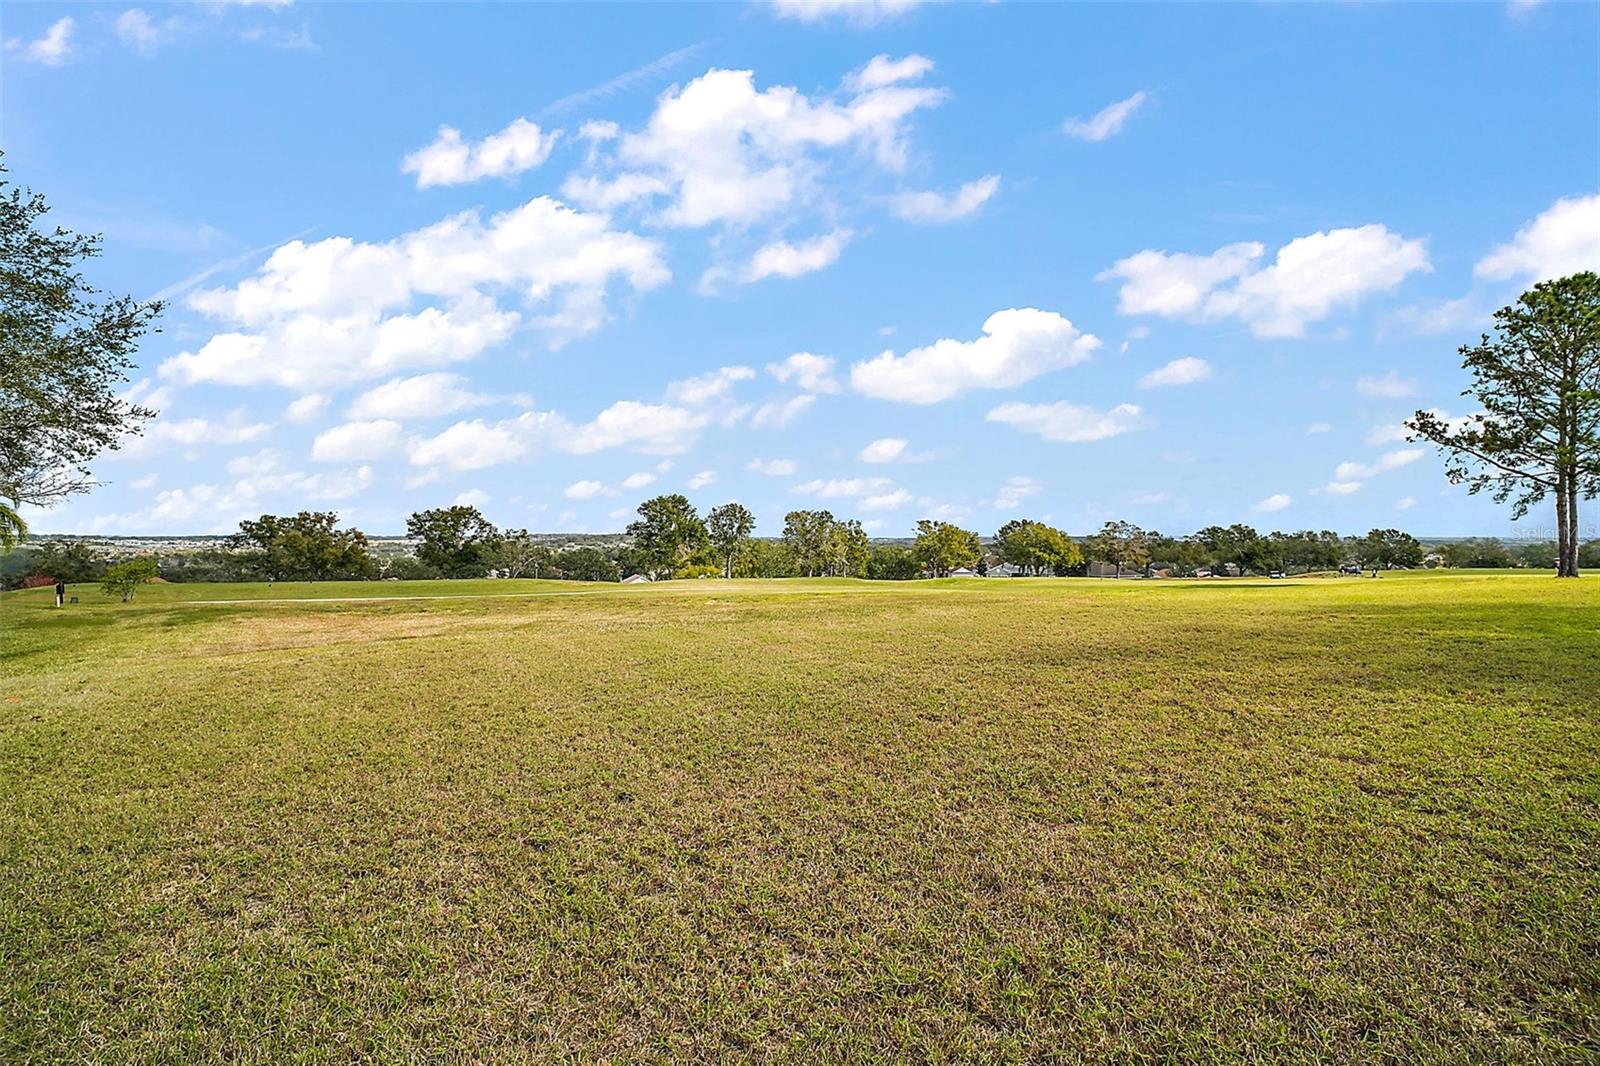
635, 579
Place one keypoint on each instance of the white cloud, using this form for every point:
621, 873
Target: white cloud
1176, 285
306, 408
1309, 279
813, 373
586, 490
1389, 387
1319, 427
422, 396
856, 12
449, 160
166, 434
775, 414
1185, 371
1069, 423
880, 70
51, 50
700, 480
1014, 491
1405, 503
772, 467
781, 259
660, 429
721, 151
940, 207
885, 501
638, 481
844, 488
472, 498
1017, 346
1432, 319
476, 444
1564, 239
1107, 122
1354, 471
339, 310
1343, 488
136, 29
1276, 502
354, 441
707, 387
884, 450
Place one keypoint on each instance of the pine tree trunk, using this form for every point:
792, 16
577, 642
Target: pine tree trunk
1572, 528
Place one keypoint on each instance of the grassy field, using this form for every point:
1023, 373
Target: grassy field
821, 821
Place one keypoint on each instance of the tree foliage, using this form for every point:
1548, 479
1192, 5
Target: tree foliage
65, 352
456, 541
1036, 548
666, 535
123, 579
942, 547
307, 546
729, 528
1538, 382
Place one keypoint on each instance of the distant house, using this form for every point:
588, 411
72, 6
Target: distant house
963, 571
1003, 570
636, 579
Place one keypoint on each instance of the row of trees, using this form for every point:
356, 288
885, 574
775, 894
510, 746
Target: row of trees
671, 540
1126, 547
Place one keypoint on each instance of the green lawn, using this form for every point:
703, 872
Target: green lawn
821, 821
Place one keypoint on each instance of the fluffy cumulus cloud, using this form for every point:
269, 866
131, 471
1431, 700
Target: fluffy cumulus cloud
782, 259
421, 396
884, 450
772, 467
844, 488
186, 434
585, 490
1107, 122
1276, 502
813, 373
1563, 240
656, 429
217, 507
51, 49
721, 151
776, 414
882, 70
946, 207
356, 441
700, 480
708, 387
136, 29
338, 310
306, 408
1309, 279
1185, 371
855, 12
1017, 345
1069, 423
1355, 471
449, 160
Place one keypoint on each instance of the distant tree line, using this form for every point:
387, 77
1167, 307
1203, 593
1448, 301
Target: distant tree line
670, 540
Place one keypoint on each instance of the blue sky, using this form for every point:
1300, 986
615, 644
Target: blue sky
1180, 265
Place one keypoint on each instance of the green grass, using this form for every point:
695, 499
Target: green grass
819, 821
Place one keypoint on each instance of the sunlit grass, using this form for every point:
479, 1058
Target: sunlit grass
979, 820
